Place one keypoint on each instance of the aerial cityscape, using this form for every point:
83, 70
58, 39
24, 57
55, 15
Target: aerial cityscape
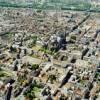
49, 49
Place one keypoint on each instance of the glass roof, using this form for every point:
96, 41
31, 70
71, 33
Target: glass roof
83, 5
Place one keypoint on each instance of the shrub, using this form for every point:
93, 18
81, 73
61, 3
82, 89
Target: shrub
73, 37
34, 39
34, 66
